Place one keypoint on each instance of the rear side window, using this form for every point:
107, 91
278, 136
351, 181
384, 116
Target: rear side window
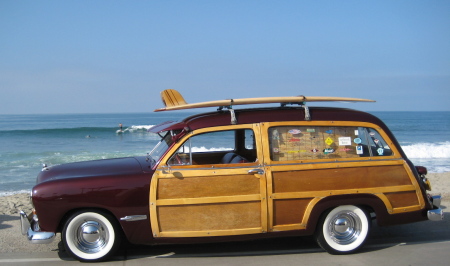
322, 142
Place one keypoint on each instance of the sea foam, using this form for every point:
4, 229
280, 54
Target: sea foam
439, 150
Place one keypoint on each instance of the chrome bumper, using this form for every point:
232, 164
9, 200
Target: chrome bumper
436, 214
35, 237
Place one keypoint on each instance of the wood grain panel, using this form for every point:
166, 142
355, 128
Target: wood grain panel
340, 178
402, 199
289, 211
210, 217
207, 186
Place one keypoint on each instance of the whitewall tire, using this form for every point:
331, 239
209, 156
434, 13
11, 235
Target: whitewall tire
343, 229
90, 236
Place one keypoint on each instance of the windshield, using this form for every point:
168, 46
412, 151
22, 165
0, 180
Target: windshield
161, 148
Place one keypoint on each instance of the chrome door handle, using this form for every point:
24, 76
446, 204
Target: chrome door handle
256, 171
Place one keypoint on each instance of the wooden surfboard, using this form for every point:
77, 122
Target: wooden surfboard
173, 100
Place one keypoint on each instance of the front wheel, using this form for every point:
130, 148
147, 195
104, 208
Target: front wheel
90, 236
343, 230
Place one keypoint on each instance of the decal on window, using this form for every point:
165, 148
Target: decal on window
329, 141
289, 143
344, 141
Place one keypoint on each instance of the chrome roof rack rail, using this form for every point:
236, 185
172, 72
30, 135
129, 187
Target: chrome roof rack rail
302, 104
233, 115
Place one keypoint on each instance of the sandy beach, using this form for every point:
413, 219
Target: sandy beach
12, 241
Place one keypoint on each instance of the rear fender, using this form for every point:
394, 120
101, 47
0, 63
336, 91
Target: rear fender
369, 202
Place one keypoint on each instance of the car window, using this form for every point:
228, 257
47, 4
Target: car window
161, 147
324, 142
219, 147
378, 145
213, 141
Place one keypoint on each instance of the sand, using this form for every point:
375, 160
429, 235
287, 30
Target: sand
11, 239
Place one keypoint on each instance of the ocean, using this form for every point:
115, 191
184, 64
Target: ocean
28, 141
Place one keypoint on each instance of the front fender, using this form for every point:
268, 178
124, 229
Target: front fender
119, 195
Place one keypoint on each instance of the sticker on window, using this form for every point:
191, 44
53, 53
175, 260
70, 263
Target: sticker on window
345, 141
328, 151
295, 131
380, 151
359, 149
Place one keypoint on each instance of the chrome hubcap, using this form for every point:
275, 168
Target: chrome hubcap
345, 227
91, 236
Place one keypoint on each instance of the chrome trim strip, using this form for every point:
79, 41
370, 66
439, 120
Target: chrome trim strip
133, 218
33, 236
213, 168
285, 164
334, 162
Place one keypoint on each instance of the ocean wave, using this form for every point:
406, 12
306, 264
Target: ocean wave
136, 129
10, 193
75, 130
439, 150
438, 169
204, 149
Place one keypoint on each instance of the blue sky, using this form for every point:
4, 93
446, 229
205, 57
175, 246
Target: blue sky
116, 56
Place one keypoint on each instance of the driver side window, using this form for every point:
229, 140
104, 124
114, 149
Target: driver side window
219, 147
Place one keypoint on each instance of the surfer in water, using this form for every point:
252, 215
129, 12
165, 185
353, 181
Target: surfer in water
120, 127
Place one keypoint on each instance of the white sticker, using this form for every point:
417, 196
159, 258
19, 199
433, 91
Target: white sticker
359, 149
356, 132
344, 141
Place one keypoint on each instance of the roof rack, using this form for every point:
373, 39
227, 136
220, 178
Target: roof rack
173, 100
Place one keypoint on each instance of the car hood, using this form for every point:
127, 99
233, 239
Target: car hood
105, 167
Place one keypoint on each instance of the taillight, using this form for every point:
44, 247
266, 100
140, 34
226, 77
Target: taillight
422, 170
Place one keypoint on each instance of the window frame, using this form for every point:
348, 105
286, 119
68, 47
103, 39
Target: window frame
187, 138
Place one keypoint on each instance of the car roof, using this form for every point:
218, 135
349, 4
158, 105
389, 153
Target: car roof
258, 115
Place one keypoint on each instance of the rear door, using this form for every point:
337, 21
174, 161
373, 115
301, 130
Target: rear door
308, 161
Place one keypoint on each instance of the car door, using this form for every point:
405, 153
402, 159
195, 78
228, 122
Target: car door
216, 190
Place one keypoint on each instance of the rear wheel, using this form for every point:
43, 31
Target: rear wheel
91, 236
343, 230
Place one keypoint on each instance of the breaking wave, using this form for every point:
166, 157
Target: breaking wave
439, 150
76, 130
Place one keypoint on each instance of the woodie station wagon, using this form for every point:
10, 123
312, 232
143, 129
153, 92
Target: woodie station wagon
291, 170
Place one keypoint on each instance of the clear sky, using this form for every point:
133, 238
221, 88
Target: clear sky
116, 56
